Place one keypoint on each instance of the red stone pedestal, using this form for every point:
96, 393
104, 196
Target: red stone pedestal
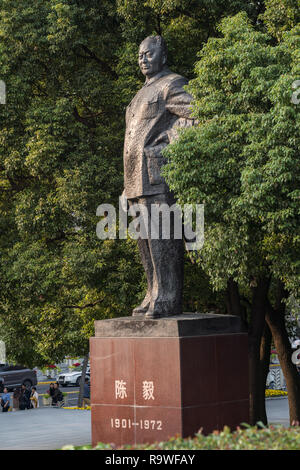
154, 379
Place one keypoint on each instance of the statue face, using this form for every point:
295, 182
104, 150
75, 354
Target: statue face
151, 58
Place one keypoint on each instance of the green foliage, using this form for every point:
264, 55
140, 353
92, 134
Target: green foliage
60, 157
281, 16
70, 69
241, 160
198, 294
250, 438
185, 24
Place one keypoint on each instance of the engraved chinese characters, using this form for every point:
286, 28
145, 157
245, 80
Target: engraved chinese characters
157, 110
127, 423
148, 390
121, 390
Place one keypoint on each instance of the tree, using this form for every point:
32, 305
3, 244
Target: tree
281, 16
185, 24
70, 69
60, 157
241, 162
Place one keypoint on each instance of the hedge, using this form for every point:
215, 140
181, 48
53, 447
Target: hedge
247, 438
275, 393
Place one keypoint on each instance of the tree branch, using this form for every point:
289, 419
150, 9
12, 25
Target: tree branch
86, 120
81, 307
91, 55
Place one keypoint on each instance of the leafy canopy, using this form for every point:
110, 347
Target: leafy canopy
241, 161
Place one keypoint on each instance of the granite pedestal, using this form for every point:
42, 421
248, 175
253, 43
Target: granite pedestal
154, 379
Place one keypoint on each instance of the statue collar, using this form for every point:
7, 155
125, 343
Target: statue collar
156, 77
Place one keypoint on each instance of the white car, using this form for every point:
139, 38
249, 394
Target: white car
72, 378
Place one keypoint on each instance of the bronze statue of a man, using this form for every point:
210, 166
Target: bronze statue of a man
159, 107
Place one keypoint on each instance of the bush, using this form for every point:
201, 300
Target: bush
275, 393
250, 438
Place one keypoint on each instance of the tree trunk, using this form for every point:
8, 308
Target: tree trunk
276, 321
233, 302
259, 342
256, 330
83, 374
265, 350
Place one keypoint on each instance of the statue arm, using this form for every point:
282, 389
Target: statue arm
157, 146
178, 103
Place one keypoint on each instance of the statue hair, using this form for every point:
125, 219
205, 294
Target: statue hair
159, 41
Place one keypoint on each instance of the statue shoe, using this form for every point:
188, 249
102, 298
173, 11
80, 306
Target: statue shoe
154, 314
143, 308
162, 309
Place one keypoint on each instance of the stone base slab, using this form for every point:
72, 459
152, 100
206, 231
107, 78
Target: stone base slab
149, 388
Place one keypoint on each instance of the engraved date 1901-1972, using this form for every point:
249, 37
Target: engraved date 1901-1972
124, 423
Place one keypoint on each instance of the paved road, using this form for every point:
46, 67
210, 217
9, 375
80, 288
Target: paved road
44, 429
42, 388
52, 428
278, 411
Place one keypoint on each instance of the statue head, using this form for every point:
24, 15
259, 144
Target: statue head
152, 55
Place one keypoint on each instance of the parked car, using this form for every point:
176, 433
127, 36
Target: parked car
72, 378
12, 376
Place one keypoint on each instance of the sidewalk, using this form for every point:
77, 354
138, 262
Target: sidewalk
52, 428
278, 411
44, 429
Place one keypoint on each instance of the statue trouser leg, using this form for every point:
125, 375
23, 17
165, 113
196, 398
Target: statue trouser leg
167, 259
145, 255
163, 263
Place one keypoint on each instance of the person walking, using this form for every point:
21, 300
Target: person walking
86, 393
5, 400
34, 398
16, 399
